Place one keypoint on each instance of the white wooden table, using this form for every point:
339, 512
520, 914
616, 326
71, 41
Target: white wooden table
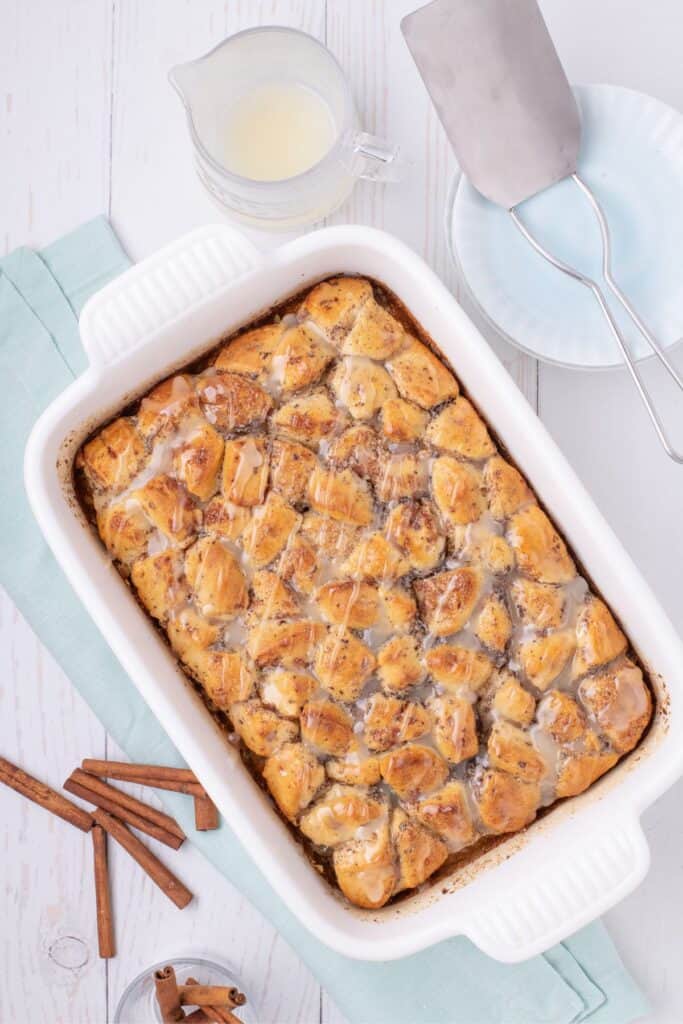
88, 124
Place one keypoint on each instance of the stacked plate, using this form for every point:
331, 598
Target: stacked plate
632, 157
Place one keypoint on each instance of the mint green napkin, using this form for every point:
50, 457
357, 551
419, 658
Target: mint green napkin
41, 295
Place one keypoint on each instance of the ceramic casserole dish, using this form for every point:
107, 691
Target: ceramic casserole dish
572, 863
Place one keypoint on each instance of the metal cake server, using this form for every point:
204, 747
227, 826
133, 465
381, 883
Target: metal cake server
503, 98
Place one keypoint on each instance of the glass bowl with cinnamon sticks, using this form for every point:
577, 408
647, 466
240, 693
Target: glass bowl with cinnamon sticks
188, 989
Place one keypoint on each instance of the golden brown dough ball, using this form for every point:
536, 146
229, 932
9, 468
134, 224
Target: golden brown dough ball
538, 604
334, 305
455, 728
365, 868
375, 558
114, 457
340, 495
413, 771
420, 853
260, 728
512, 750
413, 526
287, 691
448, 599
223, 519
291, 465
326, 726
493, 625
543, 658
350, 603
361, 386
198, 460
219, 586
333, 539
506, 488
271, 598
447, 813
476, 543
308, 418
167, 405
188, 630
619, 701
159, 582
576, 772
402, 421
125, 530
375, 334
457, 490
250, 354
540, 551
598, 637
290, 644
398, 607
298, 564
421, 377
343, 664
512, 701
269, 530
293, 775
300, 358
456, 667
170, 508
230, 401
356, 768
399, 664
505, 803
339, 815
245, 470
459, 428
225, 675
359, 448
389, 721
561, 717
402, 476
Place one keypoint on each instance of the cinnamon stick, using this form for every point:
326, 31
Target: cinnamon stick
134, 812
39, 793
205, 814
217, 1014
197, 1017
134, 772
105, 924
158, 872
188, 788
193, 994
168, 997
220, 1015
129, 817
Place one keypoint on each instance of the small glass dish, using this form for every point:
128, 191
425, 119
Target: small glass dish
272, 56
138, 1004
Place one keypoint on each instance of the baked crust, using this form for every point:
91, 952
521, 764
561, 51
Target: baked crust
365, 590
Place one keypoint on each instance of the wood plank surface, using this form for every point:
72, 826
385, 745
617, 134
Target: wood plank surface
90, 124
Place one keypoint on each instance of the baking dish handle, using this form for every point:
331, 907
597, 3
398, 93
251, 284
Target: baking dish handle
563, 896
153, 293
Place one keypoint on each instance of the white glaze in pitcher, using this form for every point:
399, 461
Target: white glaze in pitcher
274, 128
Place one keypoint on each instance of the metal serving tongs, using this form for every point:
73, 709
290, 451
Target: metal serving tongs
503, 98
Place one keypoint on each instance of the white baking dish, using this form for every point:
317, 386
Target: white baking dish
568, 867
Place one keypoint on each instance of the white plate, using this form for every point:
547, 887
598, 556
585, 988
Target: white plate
632, 157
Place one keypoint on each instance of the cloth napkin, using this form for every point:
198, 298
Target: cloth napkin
583, 979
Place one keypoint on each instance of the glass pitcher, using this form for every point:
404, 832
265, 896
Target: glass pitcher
277, 76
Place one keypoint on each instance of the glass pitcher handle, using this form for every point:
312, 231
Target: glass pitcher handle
373, 158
